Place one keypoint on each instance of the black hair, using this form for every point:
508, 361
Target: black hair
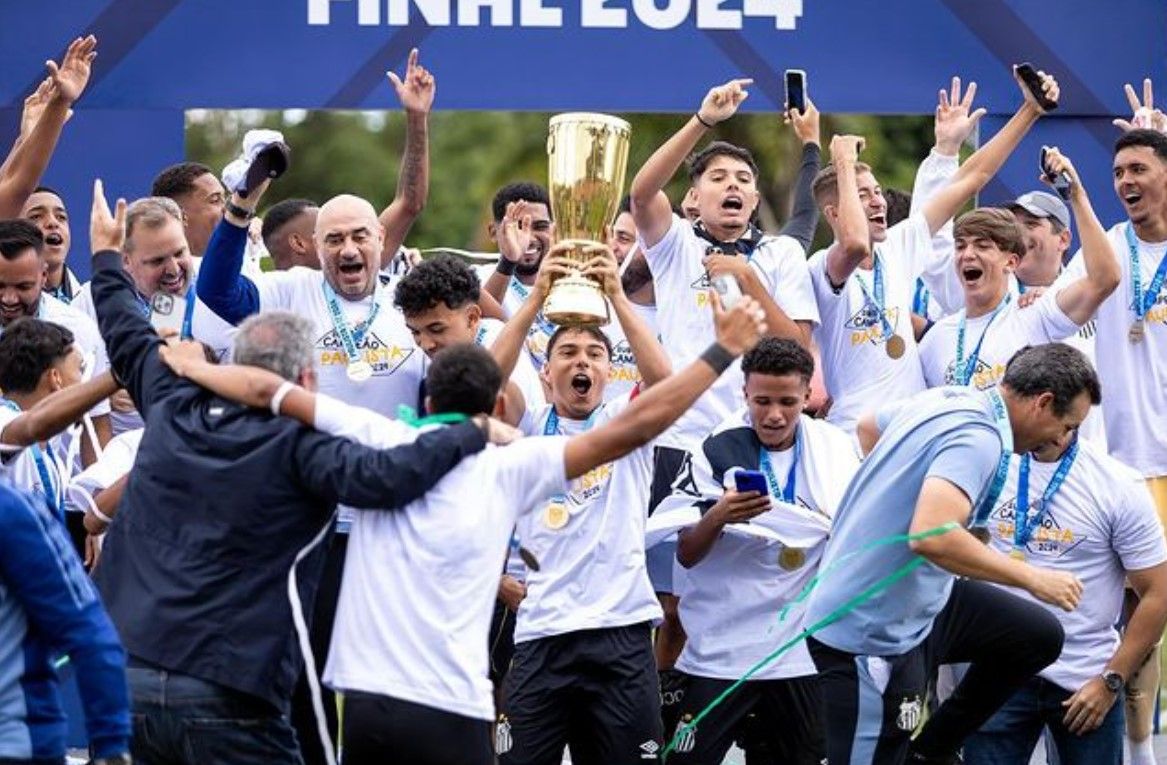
443, 279
1152, 139
17, 236
514, 192
699, 161
47, 190
626, 205
28, 347
899, 205
595, 332
464, 379
778, 357
1052, 368
280, 213
177, 180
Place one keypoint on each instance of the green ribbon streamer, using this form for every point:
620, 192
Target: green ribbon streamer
827, 620
408, 415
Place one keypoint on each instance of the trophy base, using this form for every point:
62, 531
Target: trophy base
575, 300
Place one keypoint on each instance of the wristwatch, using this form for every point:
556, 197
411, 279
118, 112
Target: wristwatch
1113, 681
239, 212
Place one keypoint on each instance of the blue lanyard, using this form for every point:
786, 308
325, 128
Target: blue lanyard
786, 491
920, 299
520, 288
1143, 300
1005, 431
551, 428
350, 338
541, 323
1027, 519
188, 315
480, 336
875, 295
965, 367
55, 500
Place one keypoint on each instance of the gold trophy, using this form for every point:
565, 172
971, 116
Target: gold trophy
588, 157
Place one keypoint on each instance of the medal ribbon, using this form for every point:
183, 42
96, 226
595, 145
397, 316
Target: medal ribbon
875, 295
551, 428
188, 315
920, 299
785, 492
1026, 519
55, 499
350, 338
1143, 300
1001, 420
965, 367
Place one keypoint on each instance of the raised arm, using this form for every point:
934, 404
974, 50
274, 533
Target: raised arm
651, 359
30, 156
221, 284
509, 343
986, 161
57, 411
650, 207
1080, 299
513, 236
854, 245
738, 330
416, 93
131, 341
804, 216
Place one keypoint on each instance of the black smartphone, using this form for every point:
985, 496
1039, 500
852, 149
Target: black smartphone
1061, 182
796, 90
1032, 81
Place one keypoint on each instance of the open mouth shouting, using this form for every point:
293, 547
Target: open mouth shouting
54, 239
351, 273
971, 275
581, 384
733, 203
173, 283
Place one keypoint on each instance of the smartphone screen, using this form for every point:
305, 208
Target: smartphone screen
750, 480
796, 90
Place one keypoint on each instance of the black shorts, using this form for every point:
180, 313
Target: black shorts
594, 691
381, 730
786, 721
501, 642
873, 704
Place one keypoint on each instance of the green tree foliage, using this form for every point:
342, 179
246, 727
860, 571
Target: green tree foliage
473, 153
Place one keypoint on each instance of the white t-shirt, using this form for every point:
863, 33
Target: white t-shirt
685, 317
1009, 331
419, 584
730, 600
85, 336
624, 374
116, 460
1133, 375
859, 375
592, 571
1100, 524
18, 465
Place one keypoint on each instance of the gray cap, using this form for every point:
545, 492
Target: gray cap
1041, 204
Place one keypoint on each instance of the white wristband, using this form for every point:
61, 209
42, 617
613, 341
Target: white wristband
281, 394
101, 516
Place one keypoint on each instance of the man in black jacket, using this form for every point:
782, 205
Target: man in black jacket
215, 529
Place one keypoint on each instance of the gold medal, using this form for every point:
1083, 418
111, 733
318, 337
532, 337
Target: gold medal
1017, 554
791, 558
895, 346
1137, 331
555, 516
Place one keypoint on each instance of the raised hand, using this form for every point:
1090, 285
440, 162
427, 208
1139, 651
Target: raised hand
1143, 115
740, 328
806, 126
34, 106
602, 267
1057, 163
514, 231
416, 91
107, 231
722, 102
955, 118
1049, 86
71, 77
846, 147
554, 266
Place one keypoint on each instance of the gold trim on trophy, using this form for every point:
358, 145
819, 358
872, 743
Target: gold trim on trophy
587, 162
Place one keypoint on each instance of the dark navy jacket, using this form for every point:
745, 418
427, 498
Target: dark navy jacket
220, 499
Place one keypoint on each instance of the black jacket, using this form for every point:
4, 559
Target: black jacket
221, 498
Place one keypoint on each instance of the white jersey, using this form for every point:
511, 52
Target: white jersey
730, 600
85, 336
685, 317
624, 375
999, 334
592, 572
852, 339
22, 466
1133, 374
419, 585
1100, 524
116, 461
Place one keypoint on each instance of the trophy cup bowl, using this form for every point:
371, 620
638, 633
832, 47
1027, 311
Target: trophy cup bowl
587, 160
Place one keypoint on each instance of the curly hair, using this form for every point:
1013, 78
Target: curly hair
778, 357
28, 348
444, 279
